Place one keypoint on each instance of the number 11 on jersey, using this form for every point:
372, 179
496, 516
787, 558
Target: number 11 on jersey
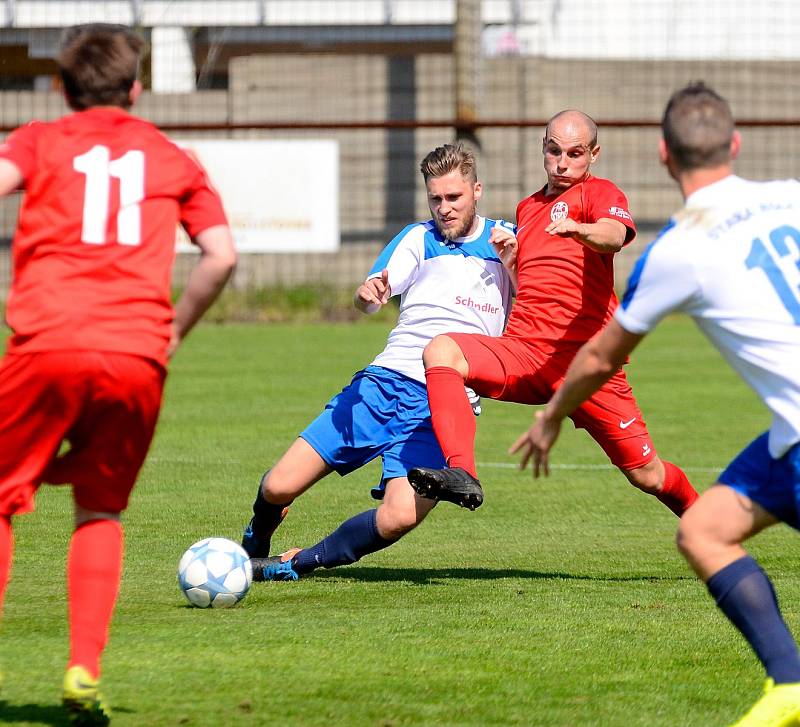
98, 167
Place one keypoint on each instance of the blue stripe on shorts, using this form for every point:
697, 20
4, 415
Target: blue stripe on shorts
772, 483
381, 412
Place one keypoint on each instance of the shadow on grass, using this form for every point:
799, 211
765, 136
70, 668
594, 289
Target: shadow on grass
431, 575
49, 714
33, 713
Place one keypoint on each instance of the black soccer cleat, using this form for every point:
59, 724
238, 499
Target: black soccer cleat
275, 567
454, 485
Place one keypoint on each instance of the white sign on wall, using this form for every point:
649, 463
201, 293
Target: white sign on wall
280, 196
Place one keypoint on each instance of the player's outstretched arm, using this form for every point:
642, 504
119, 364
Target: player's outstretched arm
217, 260
593, 365
605, 235
373, 293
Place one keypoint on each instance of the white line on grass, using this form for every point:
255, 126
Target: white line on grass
566, 466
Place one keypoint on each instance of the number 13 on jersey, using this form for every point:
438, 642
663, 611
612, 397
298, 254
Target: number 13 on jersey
98, 168
760, 257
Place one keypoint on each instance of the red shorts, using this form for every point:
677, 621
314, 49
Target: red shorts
511, 369
104, 405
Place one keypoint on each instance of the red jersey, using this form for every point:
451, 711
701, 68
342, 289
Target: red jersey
95, 240
565, 291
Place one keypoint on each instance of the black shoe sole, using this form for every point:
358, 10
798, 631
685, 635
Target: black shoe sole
429, 486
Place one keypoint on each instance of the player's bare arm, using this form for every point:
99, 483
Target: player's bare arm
505, 245
217, 260
373, 294
594, 364
10, 177
605, 235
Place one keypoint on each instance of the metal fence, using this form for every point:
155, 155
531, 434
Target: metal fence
391, 79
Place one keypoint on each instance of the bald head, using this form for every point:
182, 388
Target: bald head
574, 123
570, 148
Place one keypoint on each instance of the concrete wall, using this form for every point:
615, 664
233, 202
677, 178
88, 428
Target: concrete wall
381, 188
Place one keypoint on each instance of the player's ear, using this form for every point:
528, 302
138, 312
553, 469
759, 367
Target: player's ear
134, 93
477, 190
595, 154
663, 152
736, 144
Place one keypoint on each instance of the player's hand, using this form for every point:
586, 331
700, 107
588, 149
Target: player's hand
564, 228
375, 291
174, 341
505, 245
536, 443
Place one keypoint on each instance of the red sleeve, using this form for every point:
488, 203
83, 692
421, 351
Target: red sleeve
201, 206
605, 199
20, 148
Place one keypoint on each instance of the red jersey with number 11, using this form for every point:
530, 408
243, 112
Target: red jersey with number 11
565, 290
95, 241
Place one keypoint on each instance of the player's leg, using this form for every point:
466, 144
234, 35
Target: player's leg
446, 368
757, 492
300, 467
393, 419
401, 511
666, 481
614, 420
94, 571
37, 405
368, 532
330, 443
451, 361
108, 444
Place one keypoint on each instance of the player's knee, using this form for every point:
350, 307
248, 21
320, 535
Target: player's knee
85, 515
442, 351
277, 486
687, 540
394, 522
648, 478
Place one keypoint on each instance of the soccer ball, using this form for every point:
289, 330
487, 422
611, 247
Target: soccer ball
215, 573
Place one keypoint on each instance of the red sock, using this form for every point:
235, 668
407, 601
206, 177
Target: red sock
6, 555
677, 492
94, 568
452, 417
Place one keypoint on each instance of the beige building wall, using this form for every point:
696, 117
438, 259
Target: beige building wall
380, 186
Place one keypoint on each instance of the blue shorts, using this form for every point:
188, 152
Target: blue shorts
772, 483
381, 412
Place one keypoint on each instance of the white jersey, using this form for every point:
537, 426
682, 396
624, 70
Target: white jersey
444, 287
731, 260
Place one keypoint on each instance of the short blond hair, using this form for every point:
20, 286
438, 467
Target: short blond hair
447, 158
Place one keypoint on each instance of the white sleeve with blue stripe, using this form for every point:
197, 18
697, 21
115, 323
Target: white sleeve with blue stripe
662, 281
402, 258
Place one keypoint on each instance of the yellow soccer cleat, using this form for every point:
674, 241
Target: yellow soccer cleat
779, 706
82, 698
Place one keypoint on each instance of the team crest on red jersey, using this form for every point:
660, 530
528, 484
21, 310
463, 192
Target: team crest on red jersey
559, 211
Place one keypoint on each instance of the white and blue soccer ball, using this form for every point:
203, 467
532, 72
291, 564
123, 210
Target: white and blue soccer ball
215, 573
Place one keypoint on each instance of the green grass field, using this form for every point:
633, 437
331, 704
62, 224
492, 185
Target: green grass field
560, 602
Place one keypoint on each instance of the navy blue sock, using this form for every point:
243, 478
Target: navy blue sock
745, 595
267, 516
351, 541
